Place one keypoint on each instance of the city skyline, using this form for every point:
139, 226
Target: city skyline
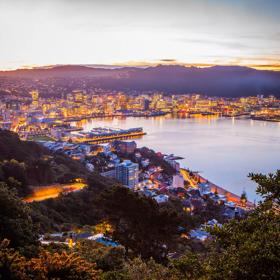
200, 33
139, 139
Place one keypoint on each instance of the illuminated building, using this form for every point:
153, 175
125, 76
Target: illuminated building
127, 173
35, 98
123, 102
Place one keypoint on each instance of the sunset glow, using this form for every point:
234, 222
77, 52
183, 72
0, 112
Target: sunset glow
199, 33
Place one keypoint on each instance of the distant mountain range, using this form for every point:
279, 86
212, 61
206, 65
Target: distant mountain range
231, 81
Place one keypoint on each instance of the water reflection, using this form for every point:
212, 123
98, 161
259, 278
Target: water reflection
226, 150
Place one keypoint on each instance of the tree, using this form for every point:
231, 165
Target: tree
212, 210
56, 266
12, 264
187, 266
14, 170
32, 164
243, 198
137, 269
250, 248
61, 266
139, 223
106, 258
157, 160
15, 221
268, 185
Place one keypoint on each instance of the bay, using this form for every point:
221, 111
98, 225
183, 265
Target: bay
224, 150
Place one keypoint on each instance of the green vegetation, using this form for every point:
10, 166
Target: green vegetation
157, 160
46, 265
268, 186
250, 248
76, 209
106, 258
139, 223
28, 164
240, 249
246, 249
16, 223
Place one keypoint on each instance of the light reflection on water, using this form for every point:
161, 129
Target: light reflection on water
225, 150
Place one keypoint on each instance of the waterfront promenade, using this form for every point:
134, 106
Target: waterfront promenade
197, 178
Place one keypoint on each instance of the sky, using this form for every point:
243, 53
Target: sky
128, 32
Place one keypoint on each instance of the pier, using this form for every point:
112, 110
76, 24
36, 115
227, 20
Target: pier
100, 135
105, 139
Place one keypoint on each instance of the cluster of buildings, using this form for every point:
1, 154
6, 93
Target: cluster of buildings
33, 115
135, 168
49, 120
99, 158
201, 232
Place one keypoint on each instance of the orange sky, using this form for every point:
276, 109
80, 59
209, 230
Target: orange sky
190, 32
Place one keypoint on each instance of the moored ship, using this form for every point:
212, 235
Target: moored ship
103, 134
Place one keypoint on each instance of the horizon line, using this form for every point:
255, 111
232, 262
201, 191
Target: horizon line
266, 67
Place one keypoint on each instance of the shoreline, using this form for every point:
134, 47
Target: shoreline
229, 195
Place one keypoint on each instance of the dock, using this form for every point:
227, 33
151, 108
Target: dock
100, 135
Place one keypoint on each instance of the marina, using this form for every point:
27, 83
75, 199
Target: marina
100, 135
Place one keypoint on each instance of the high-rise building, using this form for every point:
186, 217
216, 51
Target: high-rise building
79, 95
35, 97
147, 103
122, 102
127, 173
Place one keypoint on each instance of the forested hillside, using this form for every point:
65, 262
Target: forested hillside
150, 242
25, 163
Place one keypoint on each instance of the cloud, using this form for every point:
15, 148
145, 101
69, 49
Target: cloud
217, 42
168, 60
108, 31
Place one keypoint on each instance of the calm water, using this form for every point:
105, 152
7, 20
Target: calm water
224, 150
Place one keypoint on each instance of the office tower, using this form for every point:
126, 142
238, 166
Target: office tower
35, 97
147, 103
127, 173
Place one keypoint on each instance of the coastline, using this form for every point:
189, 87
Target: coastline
229, 195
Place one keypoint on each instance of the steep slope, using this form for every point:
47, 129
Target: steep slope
30, 164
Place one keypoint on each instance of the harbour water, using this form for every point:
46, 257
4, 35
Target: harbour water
224, 150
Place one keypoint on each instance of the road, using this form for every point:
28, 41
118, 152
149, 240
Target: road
213, 187
52, 191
